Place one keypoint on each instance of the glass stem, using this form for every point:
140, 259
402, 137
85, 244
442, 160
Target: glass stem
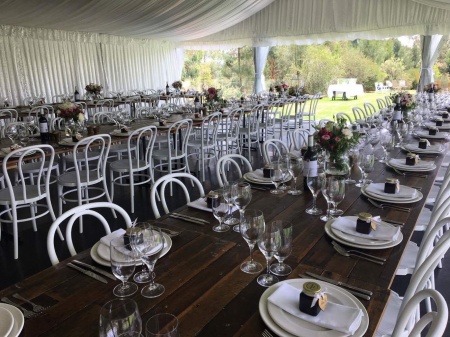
295, 183
267, 265
314, 201
251, 253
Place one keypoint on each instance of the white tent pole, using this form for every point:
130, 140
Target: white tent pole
431, 46
259, 60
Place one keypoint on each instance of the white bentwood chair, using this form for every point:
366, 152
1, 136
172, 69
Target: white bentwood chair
231, 160
75, 214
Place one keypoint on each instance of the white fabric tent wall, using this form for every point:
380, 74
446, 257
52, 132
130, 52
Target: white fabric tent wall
431, 46
51, 62
259, 60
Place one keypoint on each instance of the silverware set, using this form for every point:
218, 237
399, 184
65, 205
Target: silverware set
384, 205
188, 218
266, 333
352, 252
413, 174
170, 232
26, 313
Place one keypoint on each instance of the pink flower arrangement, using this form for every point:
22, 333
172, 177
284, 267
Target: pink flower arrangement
405, 99
93, 88
70, 111
212, 94
431, 88
281, 87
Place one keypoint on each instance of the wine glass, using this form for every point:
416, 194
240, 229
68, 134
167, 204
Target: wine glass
284, 250
326, 192
123, 263
251, 230
162, 325
220, 209
365, 163
268, 244
144, 275
386, 145
295, 167
227, 194
276, 176
148, 242
12, 132
242, 195
120, 317
352, 162
32, 128
23, 137
336, 191
284, 167
315, 180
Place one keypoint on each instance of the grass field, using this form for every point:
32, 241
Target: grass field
327, 108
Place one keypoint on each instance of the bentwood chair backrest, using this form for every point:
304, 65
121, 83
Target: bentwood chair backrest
278, 148
235, 163
298, 139
359, 114
169, 179
388, 100
75, 214
344, 115
381, 103
369, 109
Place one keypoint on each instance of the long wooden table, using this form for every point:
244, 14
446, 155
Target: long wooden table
205, 287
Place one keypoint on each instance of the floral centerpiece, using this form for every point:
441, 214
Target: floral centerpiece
404, 99
94, 89
177, 85
70, 111
336, 139
213, 94
431, 88
295, 91
281, 87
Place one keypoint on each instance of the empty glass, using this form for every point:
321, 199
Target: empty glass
251, 229
148, 242
220, 209
242, 195
283, 162
162, 325
295, 167
268, 244
120, 317
144, 275
123, 263
284, 249
365, 163
336, 191
315, 180
276, 176
227, 194
352, 163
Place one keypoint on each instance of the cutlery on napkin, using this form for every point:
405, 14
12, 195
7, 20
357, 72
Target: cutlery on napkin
377, 189
384, 232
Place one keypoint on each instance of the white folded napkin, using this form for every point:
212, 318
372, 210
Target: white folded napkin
258, 175
384, 231
106, 240
430, 148
400, 163
201, 204
377, 189
336, 316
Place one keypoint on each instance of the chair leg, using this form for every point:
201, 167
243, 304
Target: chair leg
15, 232
52, 215
105, 186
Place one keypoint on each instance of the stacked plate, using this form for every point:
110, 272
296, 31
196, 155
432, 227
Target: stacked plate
432, 149
6, 150
119, 133
11, 320
257, 177
370, 242
421, 166
425, 134
445, 126
406, 195
285, 324
100, 252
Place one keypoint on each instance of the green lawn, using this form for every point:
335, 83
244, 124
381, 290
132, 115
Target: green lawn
327, 108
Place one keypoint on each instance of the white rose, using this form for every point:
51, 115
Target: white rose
347, 133
81, 117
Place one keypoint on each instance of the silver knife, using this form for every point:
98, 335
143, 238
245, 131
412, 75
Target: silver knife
187, 219
357, 294
339, 283
97, 270
192, 218
88, 273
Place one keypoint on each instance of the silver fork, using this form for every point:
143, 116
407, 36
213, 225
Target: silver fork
266, 333
398, 208
334, 243
414, 174
36, 307
343, 252
170, 232
26, 313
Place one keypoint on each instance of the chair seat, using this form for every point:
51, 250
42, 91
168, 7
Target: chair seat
92, 155
120, 148
390, 315
246, 131
123, 165
34, 167
69, 179
409, 258
32, 192
423, 220
197, 143
163, 154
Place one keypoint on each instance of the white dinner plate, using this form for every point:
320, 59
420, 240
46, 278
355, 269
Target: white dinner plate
389, 244
18, 319
285, 324
413, 168
433, 149
100, 252
356, 239
424, 134
6, 150
445, 126
6, 322
119, 133
392, 200
256, 178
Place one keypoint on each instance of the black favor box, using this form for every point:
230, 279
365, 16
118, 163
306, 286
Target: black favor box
363, 227
423, 144
432, 132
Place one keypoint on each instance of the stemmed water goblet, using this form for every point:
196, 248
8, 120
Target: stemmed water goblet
148, 242
120, 317
144, 275
123, 263
295, 167
386, 145
284, 250
315, 180
12, 132
365, 163
23, 137
352, 162
251, 229
162, 325
268, 244
32, 128
284, 167
326, 192
336, 192
227, 194
220, 208
242, 195
276, 176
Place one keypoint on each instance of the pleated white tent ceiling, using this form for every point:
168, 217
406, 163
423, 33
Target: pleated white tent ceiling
50, 46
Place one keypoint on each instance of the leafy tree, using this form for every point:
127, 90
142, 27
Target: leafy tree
394, 68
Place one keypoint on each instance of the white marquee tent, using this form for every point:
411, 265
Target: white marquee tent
51, 46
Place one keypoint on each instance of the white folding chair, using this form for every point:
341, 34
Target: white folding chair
224, 163
174, 178
76, 213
